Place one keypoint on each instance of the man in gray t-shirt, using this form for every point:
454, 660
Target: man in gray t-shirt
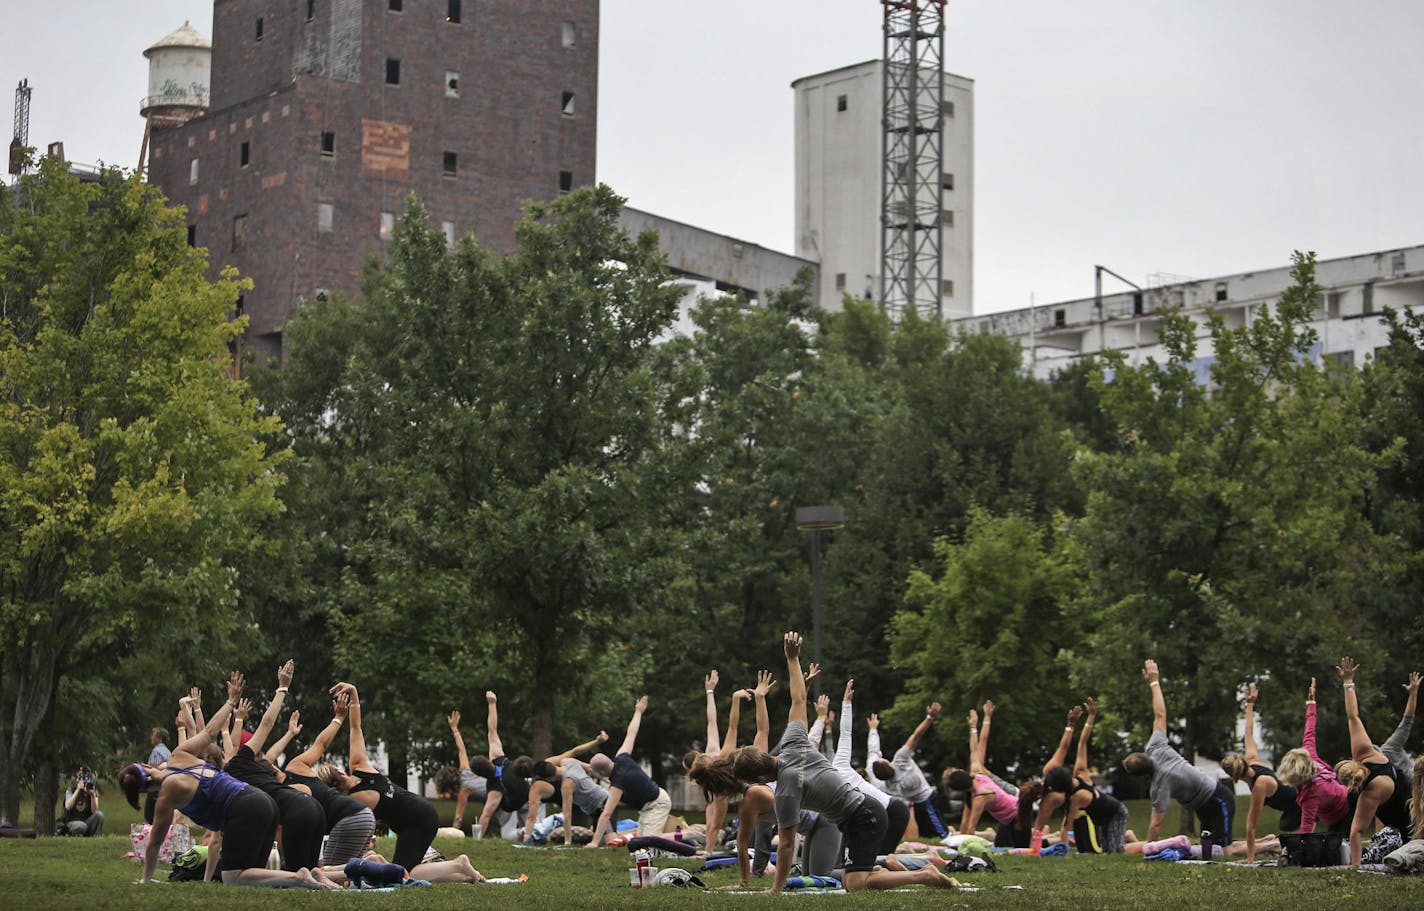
580, 787
1214, 802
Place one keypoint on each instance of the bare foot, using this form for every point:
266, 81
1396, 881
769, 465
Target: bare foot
306, 880
320, 876
468, 869
892, 862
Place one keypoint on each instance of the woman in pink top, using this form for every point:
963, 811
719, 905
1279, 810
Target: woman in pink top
1317, 791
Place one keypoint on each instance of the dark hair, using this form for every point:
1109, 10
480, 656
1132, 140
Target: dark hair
131, 782
716, 779
753, 765
1058, 779
544, 770
960, 780
1137, 764
689, 758
482, 767
1029, 792
523, 766
447, 780
882, 769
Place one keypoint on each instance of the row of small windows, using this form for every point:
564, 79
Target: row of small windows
449, 163
453, 13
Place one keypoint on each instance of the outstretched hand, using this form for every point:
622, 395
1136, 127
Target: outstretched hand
932, 710
341, 705
243, 707
1413, 685
1092, 705
813, 672
873, 722
709, 682
1347, 668
1074, 714
973, 718
988, 708
1251, 693
294, 724
285, 672
1310, 694
602, 736
235, 683
641, 705
491, 698
823, 705
791, 644
1150, 672
764, 683
849, 694
454, 721
743, 694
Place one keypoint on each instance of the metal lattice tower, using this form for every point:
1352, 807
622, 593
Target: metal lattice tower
912, 154
21, 139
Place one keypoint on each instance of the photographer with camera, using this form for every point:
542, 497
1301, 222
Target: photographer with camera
81, 808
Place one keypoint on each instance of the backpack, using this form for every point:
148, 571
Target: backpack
1312, 849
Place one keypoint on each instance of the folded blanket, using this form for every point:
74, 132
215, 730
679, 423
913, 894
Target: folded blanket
1407, 858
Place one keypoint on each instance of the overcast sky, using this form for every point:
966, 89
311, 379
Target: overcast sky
1183, 137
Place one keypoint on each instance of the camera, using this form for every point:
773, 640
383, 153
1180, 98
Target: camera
86, 779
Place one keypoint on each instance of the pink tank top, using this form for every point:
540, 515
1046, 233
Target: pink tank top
1003, 807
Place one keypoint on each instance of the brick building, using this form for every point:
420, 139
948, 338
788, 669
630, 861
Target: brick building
326, 114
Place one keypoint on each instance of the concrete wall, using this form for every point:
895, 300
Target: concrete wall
838, 183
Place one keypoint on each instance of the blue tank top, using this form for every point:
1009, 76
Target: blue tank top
208, 808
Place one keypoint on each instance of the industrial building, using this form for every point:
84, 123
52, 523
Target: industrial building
1355, 291
323, 118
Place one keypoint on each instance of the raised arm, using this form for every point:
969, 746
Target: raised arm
843, 745
818, 728
585, 747
979, 740
358, 759
631, 738
303, 762
709, 684
872, 740
232, 735
294, 728
274, 708
1060, 755
1250, 753
1411, 702
199, 742
734, 718
1159, 704
1080, 762
197, 696
762, 741
931, 713
791, 645
1361, 747
462, 756
496, 748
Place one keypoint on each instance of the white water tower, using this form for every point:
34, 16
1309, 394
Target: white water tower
179, 70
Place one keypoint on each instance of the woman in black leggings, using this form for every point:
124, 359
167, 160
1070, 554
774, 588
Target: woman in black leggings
411, 817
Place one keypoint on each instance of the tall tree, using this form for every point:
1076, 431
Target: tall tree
1223, 533
132, 472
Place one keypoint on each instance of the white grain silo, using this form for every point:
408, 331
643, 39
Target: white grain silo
179, 66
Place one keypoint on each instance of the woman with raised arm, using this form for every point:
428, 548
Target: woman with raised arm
986, 793
1052, 799
411, 817
901, 776
301, 816
1098, 821
244, 817
1394, 746
1317, 792
806, 780
1266, 790
459, 782
897, 812
349, 823
1369, 775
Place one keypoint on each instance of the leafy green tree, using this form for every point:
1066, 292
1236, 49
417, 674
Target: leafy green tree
986, 620
477, 439
1223, 533
132, 473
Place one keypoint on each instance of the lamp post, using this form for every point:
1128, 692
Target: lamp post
817, 519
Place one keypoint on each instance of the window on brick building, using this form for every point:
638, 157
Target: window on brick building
452, 84
311, 10
452, 11
842, 103
192, 235
449, 228
392, 71
259, 28
566, 181
568, 104
244, 154
239, 231
451, 164
388, 225
193, 173
328, 142
325, 213
394, 6
570, 35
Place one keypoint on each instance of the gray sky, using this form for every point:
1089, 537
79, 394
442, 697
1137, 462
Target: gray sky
1190, 137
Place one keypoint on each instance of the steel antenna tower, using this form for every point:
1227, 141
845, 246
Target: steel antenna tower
912, 156
21, 139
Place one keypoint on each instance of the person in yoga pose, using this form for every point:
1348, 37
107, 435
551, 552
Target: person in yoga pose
1010, 810
1394, 746
411, 817
459, 782
301, 816
548, 779
1317, 791
1098, 821
1211, 800
1052, 800
901, 776
897, 812
805, 779
243, 818
1369, 776
349, 823
630, 785
1266, 789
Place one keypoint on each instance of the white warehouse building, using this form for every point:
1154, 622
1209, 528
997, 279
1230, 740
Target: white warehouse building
1355, 291
838, 184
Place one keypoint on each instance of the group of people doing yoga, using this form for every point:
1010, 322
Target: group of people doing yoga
850, 820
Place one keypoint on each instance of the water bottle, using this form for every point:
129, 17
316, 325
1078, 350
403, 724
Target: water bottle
677, 833
1035, 845
643, 861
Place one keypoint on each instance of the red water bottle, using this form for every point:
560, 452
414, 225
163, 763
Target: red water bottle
1035, 845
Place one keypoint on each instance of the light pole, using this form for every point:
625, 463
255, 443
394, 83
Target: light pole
817, 519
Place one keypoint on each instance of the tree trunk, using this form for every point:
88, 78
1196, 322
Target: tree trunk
34, 683
46, 793
543, 742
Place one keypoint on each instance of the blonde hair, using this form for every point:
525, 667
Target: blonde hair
1296, 768
331, 776
1351, 774
1234, 764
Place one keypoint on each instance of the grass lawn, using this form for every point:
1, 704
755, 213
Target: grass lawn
93, 874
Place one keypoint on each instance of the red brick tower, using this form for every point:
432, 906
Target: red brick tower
326, 114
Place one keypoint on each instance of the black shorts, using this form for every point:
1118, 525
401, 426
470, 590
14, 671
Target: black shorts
1215, 815
249, 828
861, 834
